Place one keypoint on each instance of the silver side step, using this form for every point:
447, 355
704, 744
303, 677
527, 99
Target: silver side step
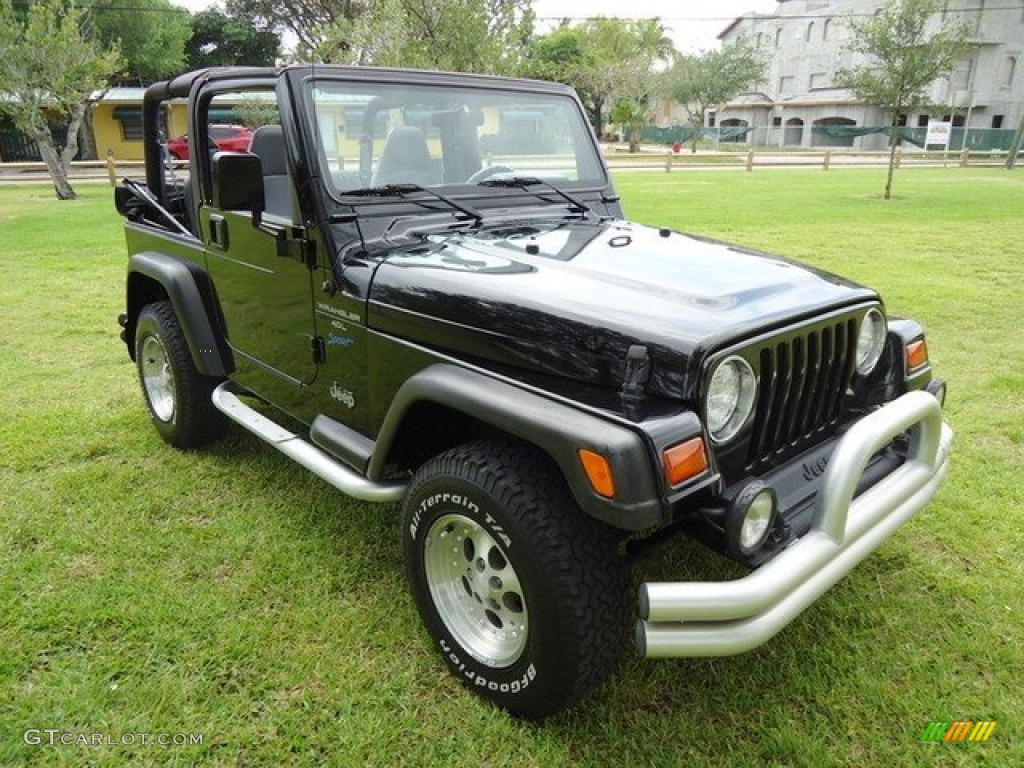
308, 455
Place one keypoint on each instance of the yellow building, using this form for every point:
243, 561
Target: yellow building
117, 123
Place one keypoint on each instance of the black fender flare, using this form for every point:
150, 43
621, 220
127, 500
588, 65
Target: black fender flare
556, 428
181, 281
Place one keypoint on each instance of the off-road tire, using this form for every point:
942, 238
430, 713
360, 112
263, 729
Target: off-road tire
177, 395
532, 613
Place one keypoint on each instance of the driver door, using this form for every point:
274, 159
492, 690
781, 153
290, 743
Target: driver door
260, 273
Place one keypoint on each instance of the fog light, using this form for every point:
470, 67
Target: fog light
751, 517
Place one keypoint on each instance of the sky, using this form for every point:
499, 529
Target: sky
693, 24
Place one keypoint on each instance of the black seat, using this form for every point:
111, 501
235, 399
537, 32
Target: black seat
405, 159
268, 144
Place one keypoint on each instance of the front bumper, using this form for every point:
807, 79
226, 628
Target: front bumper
730, 617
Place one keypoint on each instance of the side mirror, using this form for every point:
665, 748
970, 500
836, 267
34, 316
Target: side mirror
238, 183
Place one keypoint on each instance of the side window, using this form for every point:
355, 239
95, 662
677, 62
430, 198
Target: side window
249, 121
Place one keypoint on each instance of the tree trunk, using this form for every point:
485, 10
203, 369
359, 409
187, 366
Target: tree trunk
1011, 157
599, 118
892, 155
87, 137
892, 159
71, 148
58, 173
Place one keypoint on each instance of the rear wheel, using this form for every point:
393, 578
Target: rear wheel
177, 395
525, 597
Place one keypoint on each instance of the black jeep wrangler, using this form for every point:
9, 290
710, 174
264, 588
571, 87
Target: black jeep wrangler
420, 287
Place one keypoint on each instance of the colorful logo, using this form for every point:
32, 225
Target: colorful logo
961, 730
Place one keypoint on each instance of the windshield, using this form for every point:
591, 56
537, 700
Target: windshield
373, 135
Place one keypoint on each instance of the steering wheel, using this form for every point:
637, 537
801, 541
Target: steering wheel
486, 173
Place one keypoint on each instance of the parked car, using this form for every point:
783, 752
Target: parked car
421, 287
230, 138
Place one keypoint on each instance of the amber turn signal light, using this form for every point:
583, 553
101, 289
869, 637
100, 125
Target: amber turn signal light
917, 354
599, 473
684, 461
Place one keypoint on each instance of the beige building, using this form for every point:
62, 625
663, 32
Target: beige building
799, 105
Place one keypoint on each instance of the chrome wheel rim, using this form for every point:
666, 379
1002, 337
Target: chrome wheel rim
476, 590
157, 378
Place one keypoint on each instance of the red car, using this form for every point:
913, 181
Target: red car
230, 138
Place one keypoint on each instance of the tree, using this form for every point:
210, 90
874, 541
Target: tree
49, 67
607, 61
556, 56
151, 35
457, 35
219, 40
704, 81
632, 116
304, 19
903, 58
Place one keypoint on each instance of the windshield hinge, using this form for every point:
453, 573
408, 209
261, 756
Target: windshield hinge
317, 349
638, 371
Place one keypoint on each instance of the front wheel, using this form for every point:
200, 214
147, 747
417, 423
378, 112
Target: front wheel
525, 597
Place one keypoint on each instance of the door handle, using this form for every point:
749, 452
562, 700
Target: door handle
218, 231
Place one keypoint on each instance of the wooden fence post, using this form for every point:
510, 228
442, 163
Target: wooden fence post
827, 162
111, 170
750, 161
964, 157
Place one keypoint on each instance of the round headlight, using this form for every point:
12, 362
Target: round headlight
871, 341
730, 399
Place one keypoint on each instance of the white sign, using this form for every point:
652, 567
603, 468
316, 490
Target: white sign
938, 133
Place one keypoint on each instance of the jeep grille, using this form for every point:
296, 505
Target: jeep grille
802, 381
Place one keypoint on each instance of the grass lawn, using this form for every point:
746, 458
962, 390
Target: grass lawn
230, 593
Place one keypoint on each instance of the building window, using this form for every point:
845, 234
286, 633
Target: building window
130, 119
1009, 70
922, 121
786, 84
778, 37
818, 80
997, 121
776, 122
810, 32
901, 120
826, 29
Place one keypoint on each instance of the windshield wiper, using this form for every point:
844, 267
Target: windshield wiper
524, 182
401, 190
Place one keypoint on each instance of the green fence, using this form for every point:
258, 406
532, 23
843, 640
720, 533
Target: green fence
977, 139
652, 134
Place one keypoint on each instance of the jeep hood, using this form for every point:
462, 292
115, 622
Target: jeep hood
570, 298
